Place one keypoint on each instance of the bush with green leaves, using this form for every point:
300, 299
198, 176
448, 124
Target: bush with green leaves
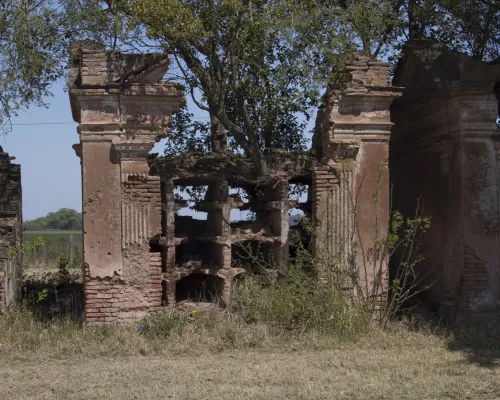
163, 323
297, 302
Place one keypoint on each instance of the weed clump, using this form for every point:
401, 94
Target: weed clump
163, 324
297, 302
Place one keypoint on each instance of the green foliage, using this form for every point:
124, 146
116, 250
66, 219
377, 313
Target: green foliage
63, 273
163, 323
238, 57
297, 302
63, 219
26, 250
32, 50
42, 295
187, 135
257, 67
469, 26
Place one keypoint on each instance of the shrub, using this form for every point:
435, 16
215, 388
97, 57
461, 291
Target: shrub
163, 323
297, 302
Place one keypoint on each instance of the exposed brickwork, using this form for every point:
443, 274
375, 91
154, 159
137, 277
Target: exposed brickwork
445, 150
121, 299
10, 231
123, 108
139, 254
138, 290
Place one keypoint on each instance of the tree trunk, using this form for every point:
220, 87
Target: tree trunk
413, 26
218, 137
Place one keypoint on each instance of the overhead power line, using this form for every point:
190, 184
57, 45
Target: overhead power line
44, 123
65, 123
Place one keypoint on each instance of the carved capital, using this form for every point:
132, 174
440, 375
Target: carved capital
133, 150
344, 149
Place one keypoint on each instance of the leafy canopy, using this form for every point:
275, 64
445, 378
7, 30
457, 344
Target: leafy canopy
32, 54
258, 67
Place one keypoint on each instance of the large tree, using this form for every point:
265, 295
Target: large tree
257, 67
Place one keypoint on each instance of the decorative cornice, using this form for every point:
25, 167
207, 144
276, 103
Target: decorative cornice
133, 150
78, 149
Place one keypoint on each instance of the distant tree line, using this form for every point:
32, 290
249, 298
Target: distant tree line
64, 219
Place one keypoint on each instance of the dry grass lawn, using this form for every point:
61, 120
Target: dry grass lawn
396, 364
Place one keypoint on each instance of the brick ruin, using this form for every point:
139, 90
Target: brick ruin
211, 251
445, 148
10, 232
122, 110
140, 254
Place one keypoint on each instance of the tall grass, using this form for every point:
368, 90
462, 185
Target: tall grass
298, 302
44, 250
265, 312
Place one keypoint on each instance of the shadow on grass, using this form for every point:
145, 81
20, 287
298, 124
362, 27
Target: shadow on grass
478, 338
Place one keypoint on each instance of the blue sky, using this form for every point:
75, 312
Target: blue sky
50, 169
41, 140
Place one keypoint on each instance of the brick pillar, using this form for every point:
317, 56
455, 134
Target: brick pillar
122, 109
10, 232
351, 186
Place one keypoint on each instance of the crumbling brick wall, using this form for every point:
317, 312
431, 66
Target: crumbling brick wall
138, 254
123, 108
445, 151
351, 208
208, 254
10, 232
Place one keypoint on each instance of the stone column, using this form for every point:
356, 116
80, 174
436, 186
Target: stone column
122, 109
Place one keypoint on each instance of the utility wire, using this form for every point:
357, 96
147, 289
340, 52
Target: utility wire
66, 123
44, 123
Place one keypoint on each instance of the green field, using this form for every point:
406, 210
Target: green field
56, 245
51, 235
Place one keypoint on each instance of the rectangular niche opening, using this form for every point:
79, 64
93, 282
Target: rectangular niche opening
256, 208
240, 200
196, 254
199, 242
199, 288
254, 256
299, 214
186, 197
190, 224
